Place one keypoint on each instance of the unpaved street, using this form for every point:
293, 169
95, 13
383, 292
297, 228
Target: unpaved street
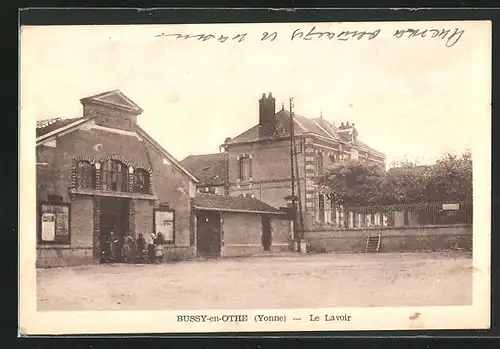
301, 281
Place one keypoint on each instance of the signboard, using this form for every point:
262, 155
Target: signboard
451, 207
48, 227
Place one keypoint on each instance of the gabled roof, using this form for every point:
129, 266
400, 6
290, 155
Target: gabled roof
169, 156
302, 126
210, 169
49, 128
46, 126
364, 147
224, 203
114, 98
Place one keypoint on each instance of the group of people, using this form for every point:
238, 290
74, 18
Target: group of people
135, 250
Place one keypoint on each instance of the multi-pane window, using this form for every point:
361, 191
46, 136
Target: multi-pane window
141, 181
245, 168
85, 175
114, 176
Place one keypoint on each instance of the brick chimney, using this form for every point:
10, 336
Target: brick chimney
348, 132
267, 115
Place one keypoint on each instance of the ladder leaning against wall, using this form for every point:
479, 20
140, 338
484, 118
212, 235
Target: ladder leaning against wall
372, 244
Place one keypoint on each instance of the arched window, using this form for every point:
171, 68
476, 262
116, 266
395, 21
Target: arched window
141, 181
114, 176
85, 175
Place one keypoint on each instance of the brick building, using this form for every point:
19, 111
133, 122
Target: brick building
259, 161
102, 173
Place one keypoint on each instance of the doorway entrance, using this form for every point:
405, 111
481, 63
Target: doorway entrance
113, 225
266, 233
208, 239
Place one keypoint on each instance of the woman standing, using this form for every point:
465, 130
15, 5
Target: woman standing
151, 248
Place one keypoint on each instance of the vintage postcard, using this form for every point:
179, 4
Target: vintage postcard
255, 177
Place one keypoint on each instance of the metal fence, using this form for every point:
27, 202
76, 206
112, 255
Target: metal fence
403, 215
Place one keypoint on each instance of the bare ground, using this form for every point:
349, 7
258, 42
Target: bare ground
288, 281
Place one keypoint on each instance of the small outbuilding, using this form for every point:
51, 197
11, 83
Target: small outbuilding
239, 226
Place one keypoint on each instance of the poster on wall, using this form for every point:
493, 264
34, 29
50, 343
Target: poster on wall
55, 223
62, 222
48, 227
165, 224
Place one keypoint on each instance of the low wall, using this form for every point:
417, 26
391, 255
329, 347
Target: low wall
282, 247
57, 256
393, 239
178, 253
235, 250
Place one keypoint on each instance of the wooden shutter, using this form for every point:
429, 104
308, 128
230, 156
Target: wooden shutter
250, 168
238, 168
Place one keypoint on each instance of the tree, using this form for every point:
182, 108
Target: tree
451, 179
405, 184
352, 182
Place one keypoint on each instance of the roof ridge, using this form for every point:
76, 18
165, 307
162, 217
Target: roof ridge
155, 143
206, 154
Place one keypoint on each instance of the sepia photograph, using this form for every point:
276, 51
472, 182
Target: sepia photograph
255, 177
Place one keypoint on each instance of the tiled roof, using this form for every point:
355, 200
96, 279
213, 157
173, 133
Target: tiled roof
208, 168
48, 125
302, 125
363, 146
132, 146
225, 203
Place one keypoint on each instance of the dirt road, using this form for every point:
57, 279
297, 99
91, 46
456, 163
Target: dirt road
299, 281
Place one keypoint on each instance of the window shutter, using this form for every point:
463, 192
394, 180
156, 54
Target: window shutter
250, 168
317, 207
238, 175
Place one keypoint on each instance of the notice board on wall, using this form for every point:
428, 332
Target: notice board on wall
164, 224
55, 223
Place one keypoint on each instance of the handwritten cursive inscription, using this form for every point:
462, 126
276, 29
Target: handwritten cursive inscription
451, 37
344, 35
206, 37
451, 40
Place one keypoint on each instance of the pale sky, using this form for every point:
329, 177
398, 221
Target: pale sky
412, 99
